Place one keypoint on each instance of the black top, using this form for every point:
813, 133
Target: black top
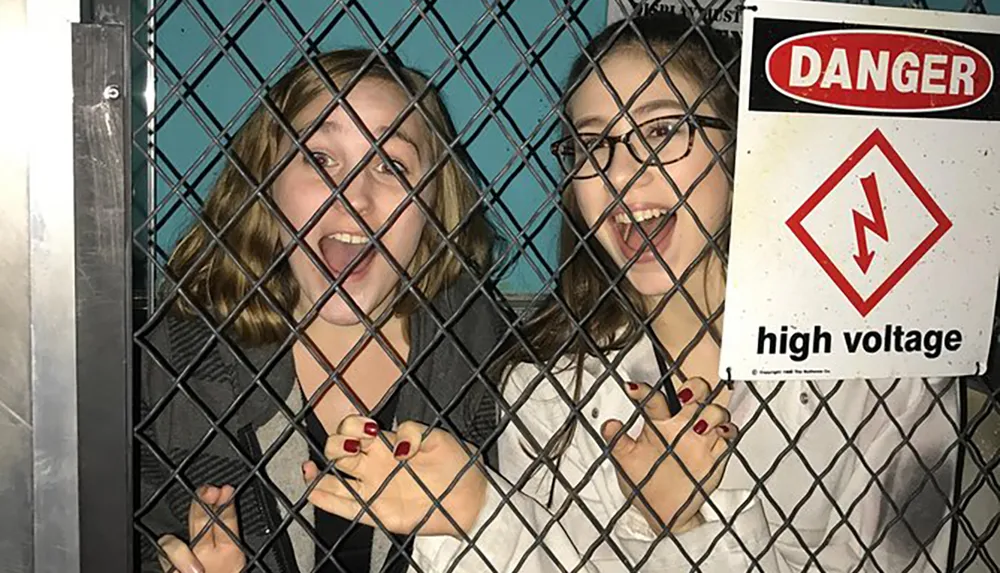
353, 548
217, 376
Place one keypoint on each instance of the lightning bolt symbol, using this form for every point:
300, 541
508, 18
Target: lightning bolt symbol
875, 225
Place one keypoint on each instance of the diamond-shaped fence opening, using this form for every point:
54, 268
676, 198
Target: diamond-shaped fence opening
378, 333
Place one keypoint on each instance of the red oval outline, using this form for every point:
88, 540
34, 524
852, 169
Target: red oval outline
770, 80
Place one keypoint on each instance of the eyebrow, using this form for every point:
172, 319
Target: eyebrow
335, 128
649, 106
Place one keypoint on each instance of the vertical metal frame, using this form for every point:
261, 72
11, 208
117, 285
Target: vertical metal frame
64, 417
102, 296
48, 91
149, 142
16, 421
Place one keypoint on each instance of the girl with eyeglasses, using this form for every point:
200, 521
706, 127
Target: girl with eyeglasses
621, 449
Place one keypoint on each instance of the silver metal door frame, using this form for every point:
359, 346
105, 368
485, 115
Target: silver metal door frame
64, 291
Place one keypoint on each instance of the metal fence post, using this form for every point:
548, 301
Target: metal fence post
102, 296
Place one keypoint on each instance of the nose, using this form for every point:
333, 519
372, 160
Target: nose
623, 169
359, 193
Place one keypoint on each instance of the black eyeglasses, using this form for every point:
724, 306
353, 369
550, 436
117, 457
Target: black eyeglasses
670, 137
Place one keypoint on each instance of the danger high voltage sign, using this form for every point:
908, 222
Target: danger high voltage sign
867, 197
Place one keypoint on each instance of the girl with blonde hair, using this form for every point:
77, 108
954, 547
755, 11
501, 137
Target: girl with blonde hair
336, 270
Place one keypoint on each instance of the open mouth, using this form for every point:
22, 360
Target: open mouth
657, 224
340, 249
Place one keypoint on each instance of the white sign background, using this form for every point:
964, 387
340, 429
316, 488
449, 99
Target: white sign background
783, 158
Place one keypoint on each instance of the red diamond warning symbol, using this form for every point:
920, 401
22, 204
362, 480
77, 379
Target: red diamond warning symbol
859, 228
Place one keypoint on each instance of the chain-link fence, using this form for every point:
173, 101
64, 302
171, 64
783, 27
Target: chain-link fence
389, 315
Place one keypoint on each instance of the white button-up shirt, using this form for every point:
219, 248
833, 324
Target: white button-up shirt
834, 476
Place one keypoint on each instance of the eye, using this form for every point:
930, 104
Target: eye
385, 170
660, 129
322, 159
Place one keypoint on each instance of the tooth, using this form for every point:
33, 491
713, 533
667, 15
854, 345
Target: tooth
650, 214
348, 238
640, 216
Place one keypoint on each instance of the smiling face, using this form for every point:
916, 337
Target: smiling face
339, 146
644, 190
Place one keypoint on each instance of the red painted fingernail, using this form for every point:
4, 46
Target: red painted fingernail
632, 387
685, 395
700, 427
371, 428
402, 448
352, 446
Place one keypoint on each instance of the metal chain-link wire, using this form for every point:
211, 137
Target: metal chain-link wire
202, 386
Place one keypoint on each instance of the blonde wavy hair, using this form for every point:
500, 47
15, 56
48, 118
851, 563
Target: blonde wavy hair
212, 280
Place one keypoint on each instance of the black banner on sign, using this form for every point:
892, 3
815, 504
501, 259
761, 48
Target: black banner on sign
860, 69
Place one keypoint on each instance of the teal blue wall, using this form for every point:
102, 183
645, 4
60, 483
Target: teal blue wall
182, 142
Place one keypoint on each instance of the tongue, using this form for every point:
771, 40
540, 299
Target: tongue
337, 254
651, 227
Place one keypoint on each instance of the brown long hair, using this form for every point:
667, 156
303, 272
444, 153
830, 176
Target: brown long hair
680, 46
216, 283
